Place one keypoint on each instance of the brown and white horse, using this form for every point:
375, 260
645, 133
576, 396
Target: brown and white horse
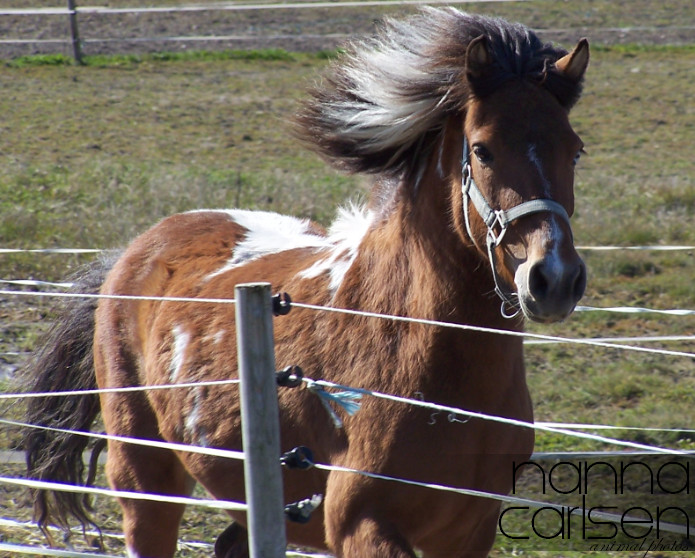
463, 120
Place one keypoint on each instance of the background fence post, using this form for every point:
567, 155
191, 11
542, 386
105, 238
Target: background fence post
76, 43
260, 421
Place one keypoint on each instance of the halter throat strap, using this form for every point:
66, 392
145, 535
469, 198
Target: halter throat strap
497, 222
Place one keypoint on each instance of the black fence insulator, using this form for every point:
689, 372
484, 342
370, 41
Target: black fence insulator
300, 457
300, 512
282, 304
290, 376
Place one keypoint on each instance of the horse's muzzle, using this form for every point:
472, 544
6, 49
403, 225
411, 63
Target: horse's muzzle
549, 289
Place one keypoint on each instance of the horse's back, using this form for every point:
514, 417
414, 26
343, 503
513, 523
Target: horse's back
196, 255
209, 243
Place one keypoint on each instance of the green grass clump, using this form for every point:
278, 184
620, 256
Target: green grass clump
40, 60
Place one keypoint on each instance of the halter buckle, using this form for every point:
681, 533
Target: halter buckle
500, 221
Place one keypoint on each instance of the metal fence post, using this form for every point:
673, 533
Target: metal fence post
76, 43
260, 421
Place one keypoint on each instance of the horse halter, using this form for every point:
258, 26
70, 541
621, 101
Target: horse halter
497, 222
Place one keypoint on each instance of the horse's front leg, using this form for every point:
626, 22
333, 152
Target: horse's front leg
369, 537
468, 533
356, 521
476, 545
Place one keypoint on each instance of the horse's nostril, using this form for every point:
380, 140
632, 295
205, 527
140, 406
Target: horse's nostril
579, 282
567, 282
538, 282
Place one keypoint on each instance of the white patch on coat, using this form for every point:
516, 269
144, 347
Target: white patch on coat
345, 236
131, 553
214, 338
268, 233
218, 337
181, 339
195, 431
271, 233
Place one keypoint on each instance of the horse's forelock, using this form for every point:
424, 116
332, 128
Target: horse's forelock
381, 106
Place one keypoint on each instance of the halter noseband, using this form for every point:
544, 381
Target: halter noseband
498, 219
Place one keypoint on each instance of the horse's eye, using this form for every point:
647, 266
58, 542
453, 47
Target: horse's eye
578, 156
482, 154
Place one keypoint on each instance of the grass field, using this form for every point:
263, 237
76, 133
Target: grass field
93, 155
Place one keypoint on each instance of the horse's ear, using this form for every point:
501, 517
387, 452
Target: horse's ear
478, 58
574, 64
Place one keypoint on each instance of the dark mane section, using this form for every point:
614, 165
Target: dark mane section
380, 107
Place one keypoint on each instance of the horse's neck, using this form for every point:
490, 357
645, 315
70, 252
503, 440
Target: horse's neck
405, 268
418, 249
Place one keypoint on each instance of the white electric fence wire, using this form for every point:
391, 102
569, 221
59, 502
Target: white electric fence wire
36, 283
18, 457
213, 38
14, 524
646, 339
636, 310
228, 6
481, 329
21, 549
547, 427
97, 391
40, 551
179, 39
504, 420
553, 338
574, 425
645, 248
121, 297
615, 309
61, 487
335, 468
524, 502
562, 455
50, 250
562, 428
214, 452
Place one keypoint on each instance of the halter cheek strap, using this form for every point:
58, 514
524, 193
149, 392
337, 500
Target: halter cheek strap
497, 222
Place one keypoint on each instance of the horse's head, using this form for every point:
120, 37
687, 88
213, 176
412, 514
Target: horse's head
519, 154
384, 107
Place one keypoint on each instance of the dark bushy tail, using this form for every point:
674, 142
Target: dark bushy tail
64, 362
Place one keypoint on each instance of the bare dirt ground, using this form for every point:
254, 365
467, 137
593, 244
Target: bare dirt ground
291, 29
